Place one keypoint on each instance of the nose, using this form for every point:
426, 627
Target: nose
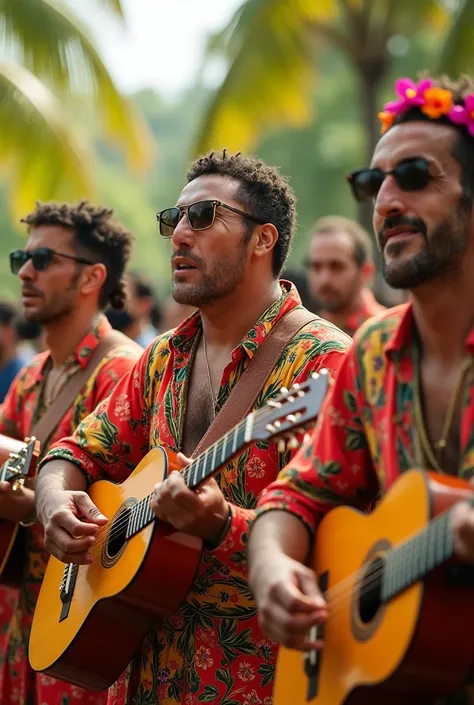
27, 272
183, 235
390, 201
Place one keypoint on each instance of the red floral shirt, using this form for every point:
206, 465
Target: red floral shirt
366, 435
211, 649
368, 308
21, 409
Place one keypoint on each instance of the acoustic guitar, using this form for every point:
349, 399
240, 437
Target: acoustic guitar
16, 468
143, 567
401, 608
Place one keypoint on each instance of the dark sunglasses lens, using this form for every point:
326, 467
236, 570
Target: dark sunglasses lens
413, 175
201, 215
17, 260
42, 258
366, 184
169, 219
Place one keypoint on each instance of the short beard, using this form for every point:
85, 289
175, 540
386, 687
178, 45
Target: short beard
218, 284
441, 255
61, 308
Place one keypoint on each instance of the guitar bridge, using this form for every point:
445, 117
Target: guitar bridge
312, 659
66, 589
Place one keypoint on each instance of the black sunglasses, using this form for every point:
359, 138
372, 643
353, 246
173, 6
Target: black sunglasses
409, 174
200, 215
41, 258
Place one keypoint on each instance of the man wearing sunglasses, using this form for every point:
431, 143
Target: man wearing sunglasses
404, 395
72, 266
340, 269
230, 233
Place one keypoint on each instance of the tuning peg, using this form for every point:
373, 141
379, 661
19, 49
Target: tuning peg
270, 428
292, 443
315, 375
301, 393
284, 390
296, 386
281, 447
14, 456
275, 404
18, 482
277, 424
292, 418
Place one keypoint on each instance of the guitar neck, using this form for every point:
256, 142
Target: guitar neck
198, 471
415, 558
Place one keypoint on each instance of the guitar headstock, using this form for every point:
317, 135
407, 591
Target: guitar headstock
293, 411
19, 465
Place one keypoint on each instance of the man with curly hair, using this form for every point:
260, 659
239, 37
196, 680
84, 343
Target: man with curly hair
71, 268
230, 233
404, 395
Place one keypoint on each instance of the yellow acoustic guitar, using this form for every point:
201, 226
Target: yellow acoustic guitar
400, 629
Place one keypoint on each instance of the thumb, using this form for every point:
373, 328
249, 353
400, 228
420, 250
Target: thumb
309, 587
183, 460
5, 486
88, 509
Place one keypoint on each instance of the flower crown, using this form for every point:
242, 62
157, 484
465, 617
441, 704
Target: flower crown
432, 101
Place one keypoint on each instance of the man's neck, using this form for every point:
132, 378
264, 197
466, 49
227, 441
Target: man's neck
227, 322
64, 335
444, 315
340, 317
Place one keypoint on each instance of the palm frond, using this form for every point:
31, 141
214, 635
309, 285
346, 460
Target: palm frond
115, 5
43, 156
56, 47
269, 48
457, 54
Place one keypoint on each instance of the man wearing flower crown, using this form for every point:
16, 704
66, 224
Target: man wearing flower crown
404, 396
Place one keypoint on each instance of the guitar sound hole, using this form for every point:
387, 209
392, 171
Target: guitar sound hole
370, 592
117, 535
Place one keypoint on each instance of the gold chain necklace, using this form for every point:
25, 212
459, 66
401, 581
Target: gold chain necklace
436, 455
209, 378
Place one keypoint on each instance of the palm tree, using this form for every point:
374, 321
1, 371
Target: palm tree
49, 66
271, 49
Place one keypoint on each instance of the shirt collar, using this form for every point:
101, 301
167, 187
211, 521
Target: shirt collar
80, 355
183, 336
401, 338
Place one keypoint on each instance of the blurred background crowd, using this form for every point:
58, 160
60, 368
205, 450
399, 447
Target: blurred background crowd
110, 99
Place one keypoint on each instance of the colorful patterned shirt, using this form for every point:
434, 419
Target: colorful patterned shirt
368, 308
366, 435
211, 649
22, 408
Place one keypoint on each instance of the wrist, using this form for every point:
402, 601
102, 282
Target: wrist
220, 532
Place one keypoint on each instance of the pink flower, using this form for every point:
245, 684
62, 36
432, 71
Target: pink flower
464, 114
410, 94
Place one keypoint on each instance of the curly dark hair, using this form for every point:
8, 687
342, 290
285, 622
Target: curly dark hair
463, 148
263, 191
97, 236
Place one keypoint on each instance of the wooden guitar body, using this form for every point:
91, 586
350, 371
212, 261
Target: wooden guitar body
410, 649
130, 584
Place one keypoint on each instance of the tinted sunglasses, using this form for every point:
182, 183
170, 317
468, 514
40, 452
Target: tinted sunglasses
200, 215
41, 258
409, 174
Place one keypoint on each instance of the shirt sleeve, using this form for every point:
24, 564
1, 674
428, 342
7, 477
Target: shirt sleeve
334, 466
110, 442
10, 409
233, 548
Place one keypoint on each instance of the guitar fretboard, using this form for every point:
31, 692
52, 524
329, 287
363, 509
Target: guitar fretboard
141, 515
415, 558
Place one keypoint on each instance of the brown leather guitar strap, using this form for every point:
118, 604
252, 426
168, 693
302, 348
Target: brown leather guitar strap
244, 394
50, 420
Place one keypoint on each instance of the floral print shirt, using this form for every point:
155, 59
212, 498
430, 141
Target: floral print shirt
368, 308
211, 649
21, 409
366, 435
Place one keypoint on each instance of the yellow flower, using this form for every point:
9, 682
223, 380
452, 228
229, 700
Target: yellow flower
438, 102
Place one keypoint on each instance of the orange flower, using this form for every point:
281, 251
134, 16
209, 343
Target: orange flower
438, 102
386, 119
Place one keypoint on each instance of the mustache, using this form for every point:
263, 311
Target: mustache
192, 258
25, 290
396, 221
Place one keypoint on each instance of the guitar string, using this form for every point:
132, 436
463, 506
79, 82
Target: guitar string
82, 575
105, 535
